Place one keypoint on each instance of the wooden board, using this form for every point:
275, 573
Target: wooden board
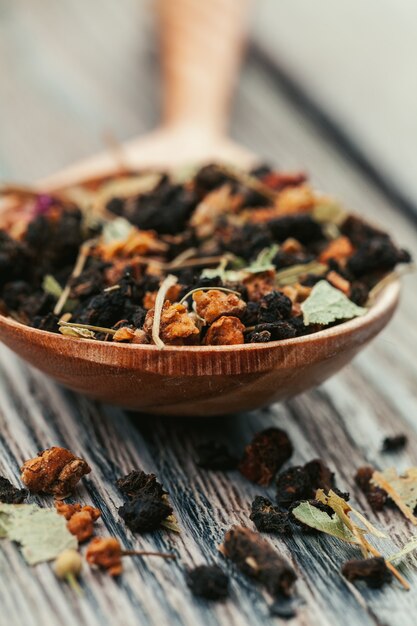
68, 83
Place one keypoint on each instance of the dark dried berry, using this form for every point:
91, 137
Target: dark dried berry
373, 571
283, 329
138, 483
213, 455
250, 314
394, 443
359, 293
265, 455
47, 322
208, 581
301, 482
248, 241
300, 226
144, 513
258, 337
269, 518
282, 608
376, 496
286, 259
10, 494
256, 558
210, 177
359, 231
378, 254
273, 307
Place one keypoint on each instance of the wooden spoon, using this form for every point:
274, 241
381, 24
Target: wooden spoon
201, 48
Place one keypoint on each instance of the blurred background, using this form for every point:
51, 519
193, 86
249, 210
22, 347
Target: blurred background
325, 85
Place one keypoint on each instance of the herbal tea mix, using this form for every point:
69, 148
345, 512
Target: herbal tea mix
216, 257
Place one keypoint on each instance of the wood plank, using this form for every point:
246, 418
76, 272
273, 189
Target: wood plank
86, 83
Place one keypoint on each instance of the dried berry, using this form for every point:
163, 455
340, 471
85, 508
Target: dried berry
138, 483
10, 494
394, 443
299, 226
105, 552
373, 571
256, 558
376, 496
81, 524
265, 455
213, 455
269, 518
208, 581
274, 306
301, 482
144, 513
55, 471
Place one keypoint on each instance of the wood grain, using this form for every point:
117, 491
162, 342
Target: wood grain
68, 82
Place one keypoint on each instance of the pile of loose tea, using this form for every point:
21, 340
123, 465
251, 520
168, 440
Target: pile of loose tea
217, 257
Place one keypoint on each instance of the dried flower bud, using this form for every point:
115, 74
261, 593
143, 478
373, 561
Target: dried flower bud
81, 525
55, 471
105, 552
67, 563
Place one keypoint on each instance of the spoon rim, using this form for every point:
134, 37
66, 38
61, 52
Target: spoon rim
386, 299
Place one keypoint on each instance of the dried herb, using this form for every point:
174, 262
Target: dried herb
113, 242
269, 518
402, 489
42, 533
10, 494
263, 457
208, 581
410, 546
310, 514
256, 558
373, 571
394, 443
326, 304
55, 471
106, 553
213, 455
301, 482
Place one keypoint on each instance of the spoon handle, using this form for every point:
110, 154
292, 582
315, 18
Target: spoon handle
201, 45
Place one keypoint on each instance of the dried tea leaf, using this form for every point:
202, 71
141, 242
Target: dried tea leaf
410, 546
263, 261
291, 275
116, 230
78, 333
51, 285
329, 213
326, 304
402, 489
309, 514
42, 533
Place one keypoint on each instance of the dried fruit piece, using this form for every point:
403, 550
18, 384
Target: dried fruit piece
105, 552
225, 331
81, 524
212, 304
256, 558
301, 482
138, 483
373, 571
144, 513
265, 455
55, 471
208, 581
176, 327
10, 494
269, 518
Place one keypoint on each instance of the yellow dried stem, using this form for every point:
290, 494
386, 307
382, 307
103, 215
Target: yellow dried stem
166, 284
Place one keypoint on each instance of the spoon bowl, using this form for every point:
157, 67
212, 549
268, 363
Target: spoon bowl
198, 381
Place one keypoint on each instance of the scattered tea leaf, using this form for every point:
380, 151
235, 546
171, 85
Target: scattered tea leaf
42, 533
51, 285
402, 489
117, 230
326, 304
263, 261
77, 332
320, 520
291, 275
330, 213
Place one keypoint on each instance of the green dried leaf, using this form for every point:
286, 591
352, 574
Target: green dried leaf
330, 213
42, 533
402, 489
263, 261
51, 285
326, 304
315, 518
116, 230
291, 275
410, 546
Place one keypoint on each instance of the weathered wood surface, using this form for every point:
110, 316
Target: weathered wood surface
75, 72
